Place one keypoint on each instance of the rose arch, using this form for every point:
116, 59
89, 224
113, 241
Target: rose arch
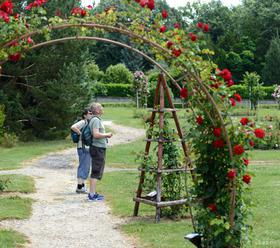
216, 146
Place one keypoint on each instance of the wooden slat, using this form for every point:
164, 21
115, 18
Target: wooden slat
162, 110
160, 204
165, 170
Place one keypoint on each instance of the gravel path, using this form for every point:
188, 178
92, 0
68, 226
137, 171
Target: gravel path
62, 218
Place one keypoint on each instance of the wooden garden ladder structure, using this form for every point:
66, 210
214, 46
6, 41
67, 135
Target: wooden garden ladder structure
161, 89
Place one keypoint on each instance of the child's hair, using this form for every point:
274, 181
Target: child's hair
85, 112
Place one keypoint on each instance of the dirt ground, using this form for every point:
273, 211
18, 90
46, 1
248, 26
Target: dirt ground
62, 218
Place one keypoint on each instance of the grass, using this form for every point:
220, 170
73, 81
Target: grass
265, 222
11, 239
12, 158
122, 116
18, 183
124, 155
267, 198
14, 207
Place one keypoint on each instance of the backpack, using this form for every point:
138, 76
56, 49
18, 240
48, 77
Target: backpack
86, 133
74, 136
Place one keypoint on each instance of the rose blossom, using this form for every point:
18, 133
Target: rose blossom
231, 173
246, 178
259, 133
238, 149
199, 120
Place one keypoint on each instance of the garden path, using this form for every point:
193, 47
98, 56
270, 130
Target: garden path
62, 218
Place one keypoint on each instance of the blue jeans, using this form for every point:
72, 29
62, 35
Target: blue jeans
84, 163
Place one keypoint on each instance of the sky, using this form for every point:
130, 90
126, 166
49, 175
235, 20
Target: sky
178, 3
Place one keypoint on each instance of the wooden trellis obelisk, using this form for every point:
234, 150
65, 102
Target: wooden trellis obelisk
160, 91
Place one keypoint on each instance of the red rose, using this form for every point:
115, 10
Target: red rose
200, 25
164, 14
225, 74
176, 52
193, 36
251, 142
29, 40
206, 28
231, 173
4, 16
162, 29
230, 83
7, 7
89, 7
246, 178
184, 93
169, 44
232, 102
259, 133
244, 121
218, 143
199, 120
143, 3
151, 4
217, 131
246, 161
15, 57
238, 149
212, 207
177, 25
237, 97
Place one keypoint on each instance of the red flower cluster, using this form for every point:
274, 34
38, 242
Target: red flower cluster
217, 131
237, 97
251, 143
177, 25
193, 36
169, 44
162, 29
244, 121
76, 11
259, 133
176, 52
36, 3
203, 26
246, 178
6, 9
226, 75
146, 3
164, 14
15, 57
184, 93
231, 173
246, 161
218, 143
238, 149
212, 207
232, 102
199, 120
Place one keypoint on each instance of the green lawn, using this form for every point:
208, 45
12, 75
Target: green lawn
18, 183
266, 195
11, 239
12, 158
14, 207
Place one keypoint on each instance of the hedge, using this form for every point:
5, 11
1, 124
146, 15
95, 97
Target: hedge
243, 91
116, 90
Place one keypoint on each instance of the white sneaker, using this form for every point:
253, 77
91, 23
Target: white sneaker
83, 190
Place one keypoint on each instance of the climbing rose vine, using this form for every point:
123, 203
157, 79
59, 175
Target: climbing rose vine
218, 148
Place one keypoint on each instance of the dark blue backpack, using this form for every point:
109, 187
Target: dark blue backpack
74, 136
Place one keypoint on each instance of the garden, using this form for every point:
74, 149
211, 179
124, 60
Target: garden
208, 162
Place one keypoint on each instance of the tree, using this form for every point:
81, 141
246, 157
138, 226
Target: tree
271, 73
255, 92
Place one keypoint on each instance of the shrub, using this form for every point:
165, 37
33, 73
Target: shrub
118, 74
9, 140
116, 90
